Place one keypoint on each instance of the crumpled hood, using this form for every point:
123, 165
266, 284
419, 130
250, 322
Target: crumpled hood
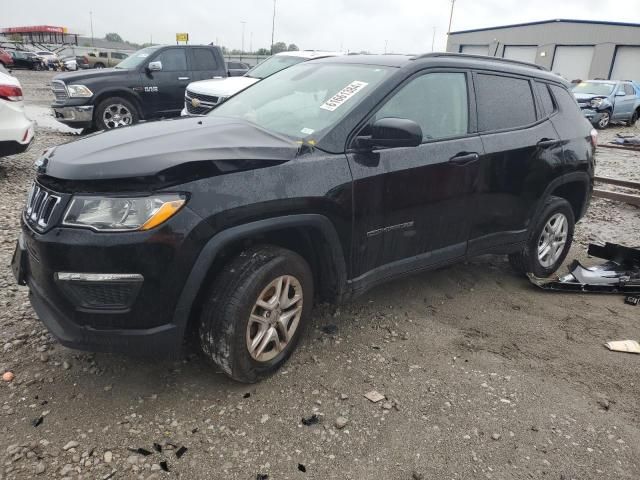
587, 97
150, 148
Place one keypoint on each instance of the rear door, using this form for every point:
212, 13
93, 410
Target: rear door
522, 153
413, 204
204, 64
163, 91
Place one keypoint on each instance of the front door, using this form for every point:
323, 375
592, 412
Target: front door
163, 91
412, 204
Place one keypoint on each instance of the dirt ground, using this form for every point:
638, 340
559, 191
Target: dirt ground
484, 375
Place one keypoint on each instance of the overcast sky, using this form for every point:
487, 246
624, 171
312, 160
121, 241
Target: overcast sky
405, 25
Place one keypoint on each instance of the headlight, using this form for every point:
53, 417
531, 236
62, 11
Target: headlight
79, 91
596, 102
114, 214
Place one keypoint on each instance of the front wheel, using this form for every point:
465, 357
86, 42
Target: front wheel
115, 112
605, 119
255, 312
549, 240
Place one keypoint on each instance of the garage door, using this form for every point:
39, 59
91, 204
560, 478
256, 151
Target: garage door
626, 65
573, 63
520, 53
475, 49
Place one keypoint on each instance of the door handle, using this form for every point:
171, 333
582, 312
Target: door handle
546, 142
183, 78
464, 158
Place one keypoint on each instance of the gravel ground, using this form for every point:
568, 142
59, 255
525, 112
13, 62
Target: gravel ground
483, 376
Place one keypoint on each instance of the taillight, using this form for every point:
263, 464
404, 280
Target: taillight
594, 137
11, 93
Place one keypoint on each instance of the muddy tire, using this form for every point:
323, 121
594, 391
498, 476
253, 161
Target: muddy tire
115, 112
549, 240
255, 312
604, 121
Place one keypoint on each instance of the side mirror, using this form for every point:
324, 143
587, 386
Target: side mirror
154, 66
392, 132
620, 93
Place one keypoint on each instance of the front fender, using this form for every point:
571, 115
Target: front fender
213, 247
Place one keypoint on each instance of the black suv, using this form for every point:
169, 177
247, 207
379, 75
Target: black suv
319, 182
149, 84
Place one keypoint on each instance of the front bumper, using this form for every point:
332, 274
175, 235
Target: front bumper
74, 116
592, 115
150, 324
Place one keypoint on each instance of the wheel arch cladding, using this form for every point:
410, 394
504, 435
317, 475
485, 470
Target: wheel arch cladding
575, 192
312, 236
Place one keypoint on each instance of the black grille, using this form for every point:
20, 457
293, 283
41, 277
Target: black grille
59, 90
41, 206
203, 103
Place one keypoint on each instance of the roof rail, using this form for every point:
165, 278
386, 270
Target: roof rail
481, 57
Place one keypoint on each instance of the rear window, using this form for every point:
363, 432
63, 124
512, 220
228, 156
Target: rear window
503, 102
545, 97
204, 59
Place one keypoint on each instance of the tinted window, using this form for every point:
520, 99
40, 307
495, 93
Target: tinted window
436, 101
173, 60
503, 102
545, 97
103, 54
204, 59
119, 55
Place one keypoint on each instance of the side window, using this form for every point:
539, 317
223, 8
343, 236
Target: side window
545, 98
503, 102
628, 89
204, 59
435, 101
173, 60
103, 54
119, 55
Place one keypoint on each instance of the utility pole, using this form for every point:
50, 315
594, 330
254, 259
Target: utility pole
273, 25
91, 20
453, 2
242, 49
433, 40
251, 42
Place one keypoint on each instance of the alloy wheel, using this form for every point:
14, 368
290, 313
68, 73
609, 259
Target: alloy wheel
274, 319
604, 120
552, 240
117, 115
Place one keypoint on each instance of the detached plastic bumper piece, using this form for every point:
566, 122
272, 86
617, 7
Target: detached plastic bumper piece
619, 274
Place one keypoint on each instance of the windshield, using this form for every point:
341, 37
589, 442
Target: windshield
304, 101
272, 65
137, 59
594, 88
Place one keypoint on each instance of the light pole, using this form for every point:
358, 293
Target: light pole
453, 2
433, 40
242, 49
91, 20
273, 25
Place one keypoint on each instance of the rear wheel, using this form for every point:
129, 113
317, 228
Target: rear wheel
99, 65
255, 312
115, 112
634, 118
549, 240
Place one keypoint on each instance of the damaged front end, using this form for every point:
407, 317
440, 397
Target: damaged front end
619, 274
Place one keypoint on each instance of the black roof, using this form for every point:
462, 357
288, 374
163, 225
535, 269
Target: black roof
542, 22
448, 60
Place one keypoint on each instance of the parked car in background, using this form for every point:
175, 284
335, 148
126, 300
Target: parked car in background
202, 97
105, 59
69, 64
149, 84
237, 69
233, 224
6, 60
606, 101
28, 60
49, 59
16, 130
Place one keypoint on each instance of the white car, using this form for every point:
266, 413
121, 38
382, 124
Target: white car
70, 64
16, 130
203, 96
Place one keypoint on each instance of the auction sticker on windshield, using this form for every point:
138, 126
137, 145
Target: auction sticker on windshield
343, 95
